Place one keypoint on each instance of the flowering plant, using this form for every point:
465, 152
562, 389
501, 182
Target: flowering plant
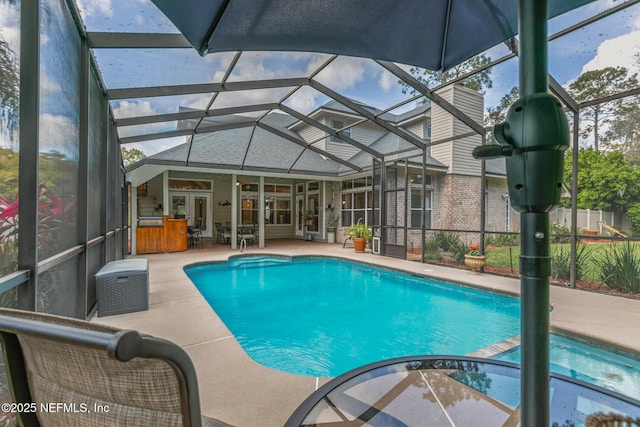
473, 250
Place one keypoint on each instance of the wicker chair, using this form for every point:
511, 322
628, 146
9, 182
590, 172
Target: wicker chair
96, 375
611, 420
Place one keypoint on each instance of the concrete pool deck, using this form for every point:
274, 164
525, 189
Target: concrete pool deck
239, 391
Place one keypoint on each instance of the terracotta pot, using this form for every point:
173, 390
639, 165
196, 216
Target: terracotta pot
359, 243
475, 262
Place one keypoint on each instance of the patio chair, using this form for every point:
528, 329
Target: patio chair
68, 372
223, 233
611, 420
247, 233
194, 233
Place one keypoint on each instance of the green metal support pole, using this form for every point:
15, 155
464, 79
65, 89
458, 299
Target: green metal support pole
532, 21
533, 140
534, 237
534, 317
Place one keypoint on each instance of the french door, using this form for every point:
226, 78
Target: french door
194, 207
300, 215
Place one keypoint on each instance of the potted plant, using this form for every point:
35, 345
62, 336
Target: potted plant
332, 224
360, 234
332, 221
473, 259
309, 216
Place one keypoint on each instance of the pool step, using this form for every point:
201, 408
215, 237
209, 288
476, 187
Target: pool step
258, 262
497, 348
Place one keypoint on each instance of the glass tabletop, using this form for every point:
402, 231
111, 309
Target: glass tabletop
448, 391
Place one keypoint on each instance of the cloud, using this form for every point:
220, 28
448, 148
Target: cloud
155, 146
619, 51
51, 138
138, 109
49, 87
10, 26
275, 65
133, 109
387, 81
90, 8
304, 100
344, 72
250, 97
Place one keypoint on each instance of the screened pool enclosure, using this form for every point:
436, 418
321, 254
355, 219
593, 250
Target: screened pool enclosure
313, 124
109, 116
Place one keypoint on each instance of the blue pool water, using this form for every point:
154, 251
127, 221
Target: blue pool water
589, 363
323, 317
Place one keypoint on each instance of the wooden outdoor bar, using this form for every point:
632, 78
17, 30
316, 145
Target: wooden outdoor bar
159, 235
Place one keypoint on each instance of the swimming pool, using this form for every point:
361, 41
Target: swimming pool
322, 317
589, 363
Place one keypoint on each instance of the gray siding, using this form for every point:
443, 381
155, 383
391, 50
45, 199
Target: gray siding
311, 133
457, 154
365, 134
471, 103
441, 128
417, 128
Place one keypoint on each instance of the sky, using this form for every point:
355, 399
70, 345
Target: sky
610, 42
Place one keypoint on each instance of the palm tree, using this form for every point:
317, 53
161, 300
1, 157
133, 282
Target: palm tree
9, 85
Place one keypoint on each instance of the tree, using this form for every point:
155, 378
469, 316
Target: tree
605, 180
498, 114
8, 173
597, 84
132, 155
477, 82
9, 89
624, 131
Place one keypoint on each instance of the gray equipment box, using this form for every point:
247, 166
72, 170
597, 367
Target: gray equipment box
123, 287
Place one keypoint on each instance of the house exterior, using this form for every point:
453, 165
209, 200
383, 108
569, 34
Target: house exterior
250, 175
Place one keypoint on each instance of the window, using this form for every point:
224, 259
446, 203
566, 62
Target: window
189, 184
357, 205
313, 204
417, 201
356, 183
427, 134
277, 204
249, 213
416, 207
427, 129
336, 125
356, 201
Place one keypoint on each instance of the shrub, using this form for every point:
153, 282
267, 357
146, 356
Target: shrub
619, 268
446, 240
458, 249
633, 213
560, 233
561, 261
431, 249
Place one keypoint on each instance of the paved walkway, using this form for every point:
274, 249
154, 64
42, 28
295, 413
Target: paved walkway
239, 391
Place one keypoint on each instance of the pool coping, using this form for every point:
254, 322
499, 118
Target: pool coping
239, 391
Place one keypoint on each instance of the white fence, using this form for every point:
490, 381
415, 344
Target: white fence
590, 219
